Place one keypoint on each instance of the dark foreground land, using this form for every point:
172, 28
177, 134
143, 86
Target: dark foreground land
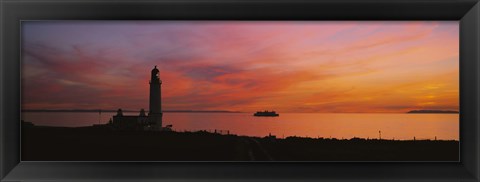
100, 144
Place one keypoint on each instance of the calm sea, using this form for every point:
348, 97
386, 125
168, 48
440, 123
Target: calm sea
326, 125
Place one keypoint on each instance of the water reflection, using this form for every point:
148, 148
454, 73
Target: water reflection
335, 125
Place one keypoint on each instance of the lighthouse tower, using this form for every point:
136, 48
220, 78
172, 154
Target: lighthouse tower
155, 112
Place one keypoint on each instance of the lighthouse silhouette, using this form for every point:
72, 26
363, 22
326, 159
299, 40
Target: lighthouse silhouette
155, 113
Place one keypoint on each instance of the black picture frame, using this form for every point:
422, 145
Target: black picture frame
14, 11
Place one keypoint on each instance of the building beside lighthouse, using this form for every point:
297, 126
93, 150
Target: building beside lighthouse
142, 121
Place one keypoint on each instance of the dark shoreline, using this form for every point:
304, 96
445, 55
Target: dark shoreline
102, 144
114, 111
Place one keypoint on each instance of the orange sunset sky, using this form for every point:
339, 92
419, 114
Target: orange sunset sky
242, 66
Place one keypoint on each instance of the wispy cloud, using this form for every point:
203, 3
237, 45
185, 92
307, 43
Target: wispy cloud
243, 66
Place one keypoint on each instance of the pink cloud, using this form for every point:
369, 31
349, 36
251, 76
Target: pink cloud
245, 66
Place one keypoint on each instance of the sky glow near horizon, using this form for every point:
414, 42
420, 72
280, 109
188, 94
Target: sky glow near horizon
242, 66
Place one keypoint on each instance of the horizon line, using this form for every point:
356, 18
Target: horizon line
228, 111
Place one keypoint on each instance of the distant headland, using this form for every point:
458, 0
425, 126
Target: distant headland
432, 111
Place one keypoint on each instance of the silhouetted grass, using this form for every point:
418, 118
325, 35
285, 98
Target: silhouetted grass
101, 144
304, 149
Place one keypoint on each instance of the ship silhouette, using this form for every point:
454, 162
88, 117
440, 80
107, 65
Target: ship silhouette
266, 113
